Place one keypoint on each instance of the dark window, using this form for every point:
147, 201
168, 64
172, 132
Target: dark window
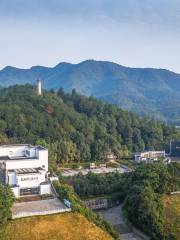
29, 191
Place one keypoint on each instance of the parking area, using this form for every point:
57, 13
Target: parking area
41, 207
100, 170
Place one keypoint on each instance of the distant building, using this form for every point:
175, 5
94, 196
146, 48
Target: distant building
148, 156
24, 168
175, 148
92, 165
110, 157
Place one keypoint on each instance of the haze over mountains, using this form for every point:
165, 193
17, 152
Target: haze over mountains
147, 91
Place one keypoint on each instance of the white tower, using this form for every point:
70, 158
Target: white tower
39, 87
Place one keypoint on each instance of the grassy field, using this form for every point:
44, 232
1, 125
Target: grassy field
172, 214
67, 226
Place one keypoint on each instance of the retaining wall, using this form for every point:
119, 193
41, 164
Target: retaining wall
39, 213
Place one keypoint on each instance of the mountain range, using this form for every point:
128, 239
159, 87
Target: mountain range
146, 91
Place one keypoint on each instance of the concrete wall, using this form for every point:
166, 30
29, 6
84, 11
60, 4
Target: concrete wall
12, 180
43, 158
39, 213
14, 150
28, 163
97, 203
45, 189
101, 203
16, 191
30, 180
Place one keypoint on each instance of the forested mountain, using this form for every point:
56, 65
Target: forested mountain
150, 92
76, 128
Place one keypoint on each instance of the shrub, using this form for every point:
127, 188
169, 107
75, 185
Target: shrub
6, 201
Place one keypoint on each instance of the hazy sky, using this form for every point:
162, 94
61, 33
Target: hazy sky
137, 33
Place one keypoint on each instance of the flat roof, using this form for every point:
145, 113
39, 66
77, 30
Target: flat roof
15, 145
21, 145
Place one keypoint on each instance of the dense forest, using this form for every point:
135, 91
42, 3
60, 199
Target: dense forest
76, 128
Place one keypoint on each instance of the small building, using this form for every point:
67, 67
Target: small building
175, 148
111, 157
24, 168
148, 156
92, 165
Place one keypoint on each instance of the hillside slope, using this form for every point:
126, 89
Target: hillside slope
152, 92
76, 128
60, 226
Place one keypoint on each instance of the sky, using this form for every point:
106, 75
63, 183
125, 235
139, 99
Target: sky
134, 33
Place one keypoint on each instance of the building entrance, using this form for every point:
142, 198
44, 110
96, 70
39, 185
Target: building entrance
29, 191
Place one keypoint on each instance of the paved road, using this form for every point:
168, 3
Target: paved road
115, 217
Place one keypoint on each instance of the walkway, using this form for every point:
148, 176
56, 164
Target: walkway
115, 217
42, 207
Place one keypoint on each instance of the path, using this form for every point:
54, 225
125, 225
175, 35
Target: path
115, 217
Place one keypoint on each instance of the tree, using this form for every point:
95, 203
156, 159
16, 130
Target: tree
6, 201
144, 209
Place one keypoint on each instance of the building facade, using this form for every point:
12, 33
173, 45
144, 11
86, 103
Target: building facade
175, 148
148, 156
24, 168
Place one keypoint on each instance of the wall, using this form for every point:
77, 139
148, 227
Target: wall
15, 191
16, 150
43, 158
26, 163
30, 180
101, 203
45, 189
12, 178
39, 213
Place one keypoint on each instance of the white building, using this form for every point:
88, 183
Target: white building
24, 168
147, 156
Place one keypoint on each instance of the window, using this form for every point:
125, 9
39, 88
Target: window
27, 153
29, 191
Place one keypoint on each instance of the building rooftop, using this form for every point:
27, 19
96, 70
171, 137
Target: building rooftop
14, 145
19, 151
21, 145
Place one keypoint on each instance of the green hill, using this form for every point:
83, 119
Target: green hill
146, 91
76, 128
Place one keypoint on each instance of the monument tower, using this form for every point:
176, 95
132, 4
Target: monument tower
39, 87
